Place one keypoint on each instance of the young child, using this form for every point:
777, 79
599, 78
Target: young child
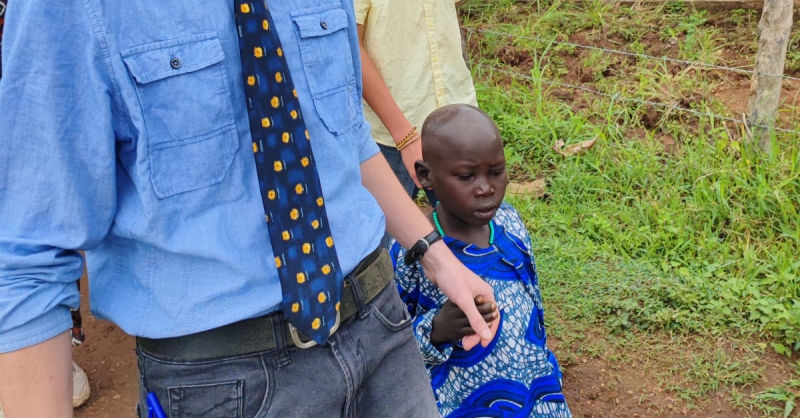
516, 375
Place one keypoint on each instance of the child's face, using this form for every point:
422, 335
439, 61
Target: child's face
470, 177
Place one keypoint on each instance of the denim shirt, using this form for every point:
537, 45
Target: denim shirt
108, 145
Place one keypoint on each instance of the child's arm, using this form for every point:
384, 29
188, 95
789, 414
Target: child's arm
432, 354
421, 306
378, 97
438, 328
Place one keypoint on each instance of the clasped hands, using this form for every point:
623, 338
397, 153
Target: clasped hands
451, 324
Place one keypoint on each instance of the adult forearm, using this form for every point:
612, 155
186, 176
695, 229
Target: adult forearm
36, 382
404, 221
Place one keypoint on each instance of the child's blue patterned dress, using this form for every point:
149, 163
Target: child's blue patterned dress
516, 375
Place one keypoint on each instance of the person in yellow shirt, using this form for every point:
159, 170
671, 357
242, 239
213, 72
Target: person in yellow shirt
412, 64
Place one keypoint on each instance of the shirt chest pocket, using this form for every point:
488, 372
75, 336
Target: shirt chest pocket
186, 106
328, 66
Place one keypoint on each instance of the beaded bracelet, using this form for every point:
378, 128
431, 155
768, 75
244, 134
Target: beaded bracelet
410, 133
408, 140
410, 137
404, 145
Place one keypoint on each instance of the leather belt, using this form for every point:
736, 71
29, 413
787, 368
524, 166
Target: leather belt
254, 335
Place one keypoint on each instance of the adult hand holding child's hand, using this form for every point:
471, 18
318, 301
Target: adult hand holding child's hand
462, 287
450, 324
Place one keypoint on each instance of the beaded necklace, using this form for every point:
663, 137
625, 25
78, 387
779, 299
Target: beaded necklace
441, 231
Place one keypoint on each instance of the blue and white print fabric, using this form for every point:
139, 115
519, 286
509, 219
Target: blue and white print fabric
516, 375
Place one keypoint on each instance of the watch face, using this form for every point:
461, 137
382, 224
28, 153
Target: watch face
433, 237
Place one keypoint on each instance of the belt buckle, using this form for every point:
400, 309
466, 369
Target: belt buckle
299, 343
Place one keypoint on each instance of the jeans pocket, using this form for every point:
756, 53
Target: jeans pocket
211, 400
390, 310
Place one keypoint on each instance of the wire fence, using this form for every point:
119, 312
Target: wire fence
618, 96
695, 64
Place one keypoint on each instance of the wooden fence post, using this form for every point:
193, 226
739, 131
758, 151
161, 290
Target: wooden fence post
765, 90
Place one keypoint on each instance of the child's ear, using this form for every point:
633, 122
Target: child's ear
423, 174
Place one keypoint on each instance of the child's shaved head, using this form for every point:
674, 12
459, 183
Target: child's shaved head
456, 125
463, 162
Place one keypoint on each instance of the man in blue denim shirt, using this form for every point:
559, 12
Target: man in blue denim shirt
92, 156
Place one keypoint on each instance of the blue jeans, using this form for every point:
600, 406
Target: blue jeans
371, 367
395, 161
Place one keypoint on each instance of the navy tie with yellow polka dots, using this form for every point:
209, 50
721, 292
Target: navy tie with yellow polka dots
290, 189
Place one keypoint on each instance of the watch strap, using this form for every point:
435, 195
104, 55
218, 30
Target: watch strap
418, 250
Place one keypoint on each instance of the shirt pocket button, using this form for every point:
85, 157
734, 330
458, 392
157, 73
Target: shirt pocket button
175, 63
324, 25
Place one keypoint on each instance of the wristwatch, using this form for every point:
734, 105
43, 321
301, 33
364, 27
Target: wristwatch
421, 247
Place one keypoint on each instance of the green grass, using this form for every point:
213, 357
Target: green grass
777, 400
702, 239
716, 220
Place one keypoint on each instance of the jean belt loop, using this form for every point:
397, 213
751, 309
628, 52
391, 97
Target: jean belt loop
282, 357
358, 294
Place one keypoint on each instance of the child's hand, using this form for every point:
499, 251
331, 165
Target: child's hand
450, 324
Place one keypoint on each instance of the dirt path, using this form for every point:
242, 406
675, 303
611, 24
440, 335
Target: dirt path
109, 360
594, 388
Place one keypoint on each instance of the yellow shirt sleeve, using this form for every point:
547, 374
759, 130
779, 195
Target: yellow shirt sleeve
362, 10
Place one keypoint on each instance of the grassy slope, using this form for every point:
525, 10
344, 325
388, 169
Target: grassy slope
701, 239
